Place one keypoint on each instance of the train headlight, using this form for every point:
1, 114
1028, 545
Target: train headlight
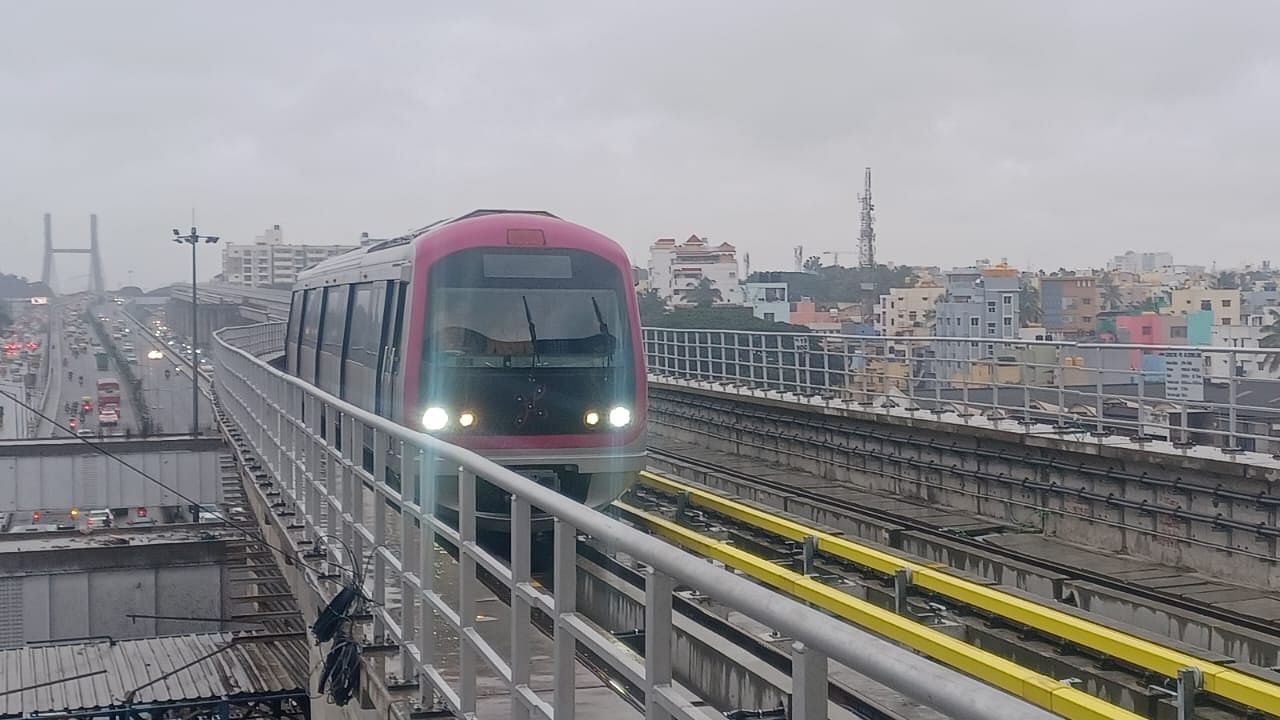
619, 417
592, 418
467, 419
435, 418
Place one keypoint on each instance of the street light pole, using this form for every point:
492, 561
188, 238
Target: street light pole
193, 239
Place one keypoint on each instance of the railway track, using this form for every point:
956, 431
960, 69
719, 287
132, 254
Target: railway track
1235, 686
1070, 571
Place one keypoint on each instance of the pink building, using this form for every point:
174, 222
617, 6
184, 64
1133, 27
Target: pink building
1145, 329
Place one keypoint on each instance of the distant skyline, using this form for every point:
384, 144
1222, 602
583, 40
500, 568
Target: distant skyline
210, 259
1050, 134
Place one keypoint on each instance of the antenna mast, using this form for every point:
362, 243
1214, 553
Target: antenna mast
867, 233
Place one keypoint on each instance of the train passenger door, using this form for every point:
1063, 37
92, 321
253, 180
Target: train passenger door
364, 344
389, 404
333, 335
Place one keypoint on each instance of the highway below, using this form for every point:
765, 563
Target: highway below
79, 380
169, 398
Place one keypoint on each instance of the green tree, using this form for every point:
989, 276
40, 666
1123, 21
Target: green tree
1227, 280
1110, 292
5, 319
705, 293
1271, 339
1029, 304
652, 306
813, 264
721, 318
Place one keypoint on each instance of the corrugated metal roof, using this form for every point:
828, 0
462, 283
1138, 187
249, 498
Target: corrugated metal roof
249, 665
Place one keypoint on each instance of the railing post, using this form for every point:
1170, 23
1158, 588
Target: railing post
901, 588
427, 571
565, 575
808, 683
657, 641
1142, 401
1233, 443
409, 564
1097, 376
1060, 371
521, 627
466, 590
353, 505
1189, 680
354, 450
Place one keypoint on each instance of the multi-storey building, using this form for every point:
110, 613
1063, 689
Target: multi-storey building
268, 261
1223, 303
1069, 304
768, 301
980, 305
1136, 262
676, 269
907, 311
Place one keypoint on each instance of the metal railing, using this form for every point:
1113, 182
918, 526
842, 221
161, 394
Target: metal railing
1225, 397
307, 440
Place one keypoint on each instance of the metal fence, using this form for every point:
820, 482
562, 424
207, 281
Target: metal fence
306, 438
1224, 397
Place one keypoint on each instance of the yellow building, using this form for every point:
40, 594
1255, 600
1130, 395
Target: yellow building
1225, 304
907, 312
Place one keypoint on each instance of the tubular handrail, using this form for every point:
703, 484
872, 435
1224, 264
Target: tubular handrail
1186, 395
819, 636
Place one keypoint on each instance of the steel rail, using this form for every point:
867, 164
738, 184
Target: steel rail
1230, 684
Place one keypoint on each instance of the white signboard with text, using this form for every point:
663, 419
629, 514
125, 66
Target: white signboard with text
1183, 375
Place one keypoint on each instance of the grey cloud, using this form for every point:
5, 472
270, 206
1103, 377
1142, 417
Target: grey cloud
1053, 134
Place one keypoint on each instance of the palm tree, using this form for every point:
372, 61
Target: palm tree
1111, 299
1029, 304
1227, 280
1271, 339
704, 294
813, 264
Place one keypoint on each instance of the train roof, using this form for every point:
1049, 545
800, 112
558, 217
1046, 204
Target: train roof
394, 252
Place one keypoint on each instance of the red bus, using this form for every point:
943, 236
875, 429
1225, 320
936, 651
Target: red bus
108, 393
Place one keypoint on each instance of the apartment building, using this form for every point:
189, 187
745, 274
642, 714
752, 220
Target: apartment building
268, 261
1070, 305
677, 268
904, 312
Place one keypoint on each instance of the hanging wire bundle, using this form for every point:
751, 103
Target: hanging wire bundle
340, 676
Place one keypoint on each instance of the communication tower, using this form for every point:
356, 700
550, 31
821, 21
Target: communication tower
867, 232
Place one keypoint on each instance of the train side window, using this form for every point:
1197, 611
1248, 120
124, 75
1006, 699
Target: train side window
311, 318
364, 340
333, 335
335, 320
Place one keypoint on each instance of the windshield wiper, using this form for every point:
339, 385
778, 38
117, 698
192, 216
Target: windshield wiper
533, 330
604, 330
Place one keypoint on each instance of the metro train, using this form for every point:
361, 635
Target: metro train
515, 334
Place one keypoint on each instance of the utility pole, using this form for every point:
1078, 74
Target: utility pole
867, 233
193, 239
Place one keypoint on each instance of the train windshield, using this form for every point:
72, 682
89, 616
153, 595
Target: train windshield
526, 342
491, 309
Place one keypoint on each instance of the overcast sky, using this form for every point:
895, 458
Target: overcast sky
1050, 133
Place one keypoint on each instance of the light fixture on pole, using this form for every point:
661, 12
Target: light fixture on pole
193, 239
